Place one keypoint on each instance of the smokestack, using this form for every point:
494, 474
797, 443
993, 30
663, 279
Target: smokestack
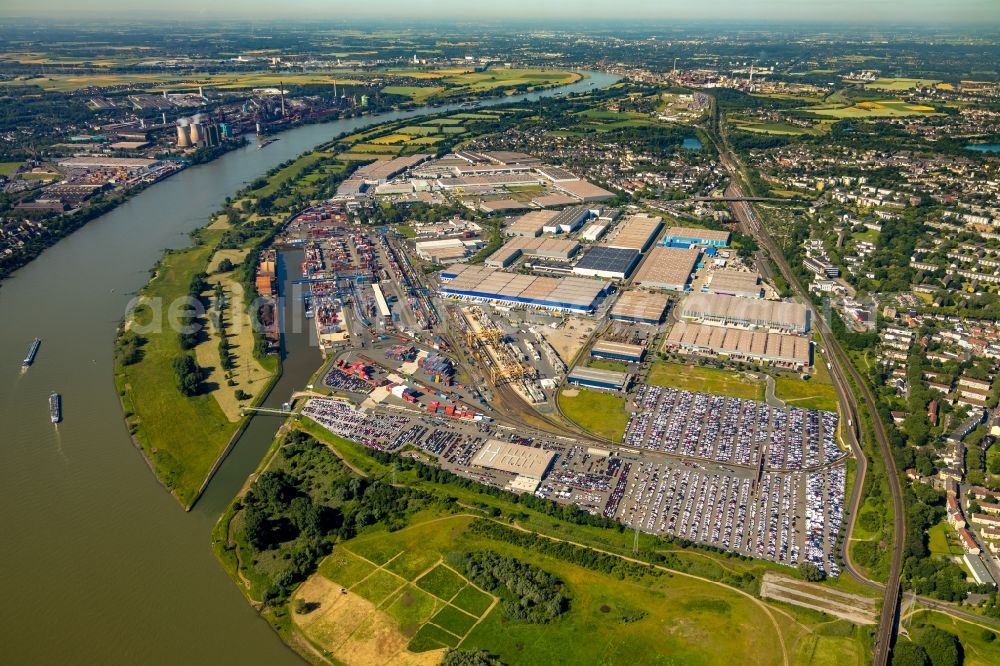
201, 93
164, 94
164, 117
282, 84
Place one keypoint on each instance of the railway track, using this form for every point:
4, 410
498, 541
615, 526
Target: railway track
844, 374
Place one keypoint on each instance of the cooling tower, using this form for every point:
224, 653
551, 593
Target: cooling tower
183, 137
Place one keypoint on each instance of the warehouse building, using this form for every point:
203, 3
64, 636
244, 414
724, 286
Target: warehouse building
517, 459
688, 236
746, 312
788, 350
668, 268
530, 224
593, 232
734, 283
640, 307
608, 262
636, 232
567, 221
548, 248
618, 351
445, 250
584, 190
600, 379
488, 285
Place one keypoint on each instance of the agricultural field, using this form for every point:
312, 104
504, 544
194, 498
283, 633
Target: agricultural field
600, 413
405, 595
418, 94
705, 380
7, 168
886, 108
158, 82
901, 84
786, 129
471, 83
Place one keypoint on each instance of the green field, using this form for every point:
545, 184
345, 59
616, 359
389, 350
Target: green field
773, 128
807, 394
418, 94
977, 650
885, 108
705, 380
181, 436
900, 84
649, 619
7, 168
601, 413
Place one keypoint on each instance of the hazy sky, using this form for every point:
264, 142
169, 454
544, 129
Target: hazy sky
859, 11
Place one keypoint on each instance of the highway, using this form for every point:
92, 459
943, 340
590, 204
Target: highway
841, 368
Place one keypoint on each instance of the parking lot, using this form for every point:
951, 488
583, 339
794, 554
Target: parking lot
732, 473
730, 430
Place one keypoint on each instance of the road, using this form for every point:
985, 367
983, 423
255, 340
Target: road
841, 368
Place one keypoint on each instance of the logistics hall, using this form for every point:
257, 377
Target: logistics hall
488, 285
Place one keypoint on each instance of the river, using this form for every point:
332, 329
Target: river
101, 564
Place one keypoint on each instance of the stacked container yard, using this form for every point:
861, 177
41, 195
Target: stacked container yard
439, 368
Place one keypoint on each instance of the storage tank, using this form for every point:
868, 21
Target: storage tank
183, 135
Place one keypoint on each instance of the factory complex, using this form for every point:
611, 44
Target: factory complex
481, 180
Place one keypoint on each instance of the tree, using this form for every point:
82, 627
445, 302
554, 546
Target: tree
810, 572
255, 527
942, 648
909, 654
187, 374
225, 266
470, 658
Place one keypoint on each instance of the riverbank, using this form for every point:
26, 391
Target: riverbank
63, 226
182, 437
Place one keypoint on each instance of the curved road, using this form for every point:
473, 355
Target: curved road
839, 362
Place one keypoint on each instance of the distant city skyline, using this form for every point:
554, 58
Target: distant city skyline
908, 12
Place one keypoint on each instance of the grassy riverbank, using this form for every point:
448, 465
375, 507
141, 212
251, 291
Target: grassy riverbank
182, 436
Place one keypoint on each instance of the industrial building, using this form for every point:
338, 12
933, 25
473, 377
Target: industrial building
734, 283
549, 248
517, 459
979, 570
746, 312
593, 232
607, 380
640, 307
618, 351
567, 221
445, 250
636, 232
584, 190
790, 350
484, 284
608, 262
668, 268
688, 236
530, 224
